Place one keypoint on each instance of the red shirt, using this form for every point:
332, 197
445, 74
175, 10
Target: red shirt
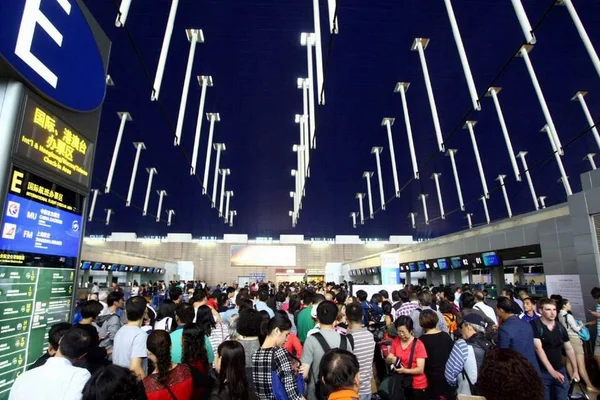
293, 345
419, 381
179, 381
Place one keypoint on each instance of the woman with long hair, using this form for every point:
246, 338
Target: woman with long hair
165, 319
573, 327
194, 348
169, 381
232, 383
272, 357
206, 323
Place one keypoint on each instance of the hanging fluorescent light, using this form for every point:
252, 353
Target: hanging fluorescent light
161, 194
170, 214
436, 177
561, 168
580, 96
505, 194
470, 127
219, 147
522, 155
452, 154
212, 117
493, 93
524, 21
377, 151
360, 197
388, 122
204, 81
485, 208
423, 198
590, 158
224, 173
109, 212
318, 52
151, 173
93, 205
164, 51
122, 15
125, 116
139, 146
413, 219
402, 88
367, 175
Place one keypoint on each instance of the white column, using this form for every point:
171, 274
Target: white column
402, 87
377, 151
388, 122
125, 116
194, 36
493, 93
353, 216
469, 126
122, 15
470, 219
413, 219
139, 147
219, 147
164, 51
170, 214
542, 200
204, 81
580, 96
224, 173
367, 175
228, 196
590, 158
563, 175
93, 205
333, 21
423, 198
232, 214
505, 194
582, 33
463, 56
212, 117
485, 208
109, 212
360, 197
522, 155
451, 153
151, 172
420, 44
436, 178
308, 40
524, 21
524, 53
318, 52
161, 194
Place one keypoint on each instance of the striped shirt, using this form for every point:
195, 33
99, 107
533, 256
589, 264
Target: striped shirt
364, 349
462, 358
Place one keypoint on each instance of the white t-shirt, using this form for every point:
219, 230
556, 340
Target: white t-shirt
487, 310
129, 343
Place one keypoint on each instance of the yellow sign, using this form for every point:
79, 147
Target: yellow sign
48, 140
37, 190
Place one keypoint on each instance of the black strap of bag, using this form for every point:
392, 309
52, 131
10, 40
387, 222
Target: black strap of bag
572, 388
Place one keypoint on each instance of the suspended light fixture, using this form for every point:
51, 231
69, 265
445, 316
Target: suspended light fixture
93, 205
194, 36
367, 175
151, 173
228, 196
308, 40
205, 82
436, 177
164, 51
469, 217
590, 158
564, 178
224, 172
485, 208
580, 96
452, 154
463, 56
139, 146
161, 194
522, 155
388, 122
419, 45
402, 88
212, 117
360, 197
505, 194
219, 147
524, 22
493, 93
170, 214
109, 213
413, 219
423, 198
125, 116
470, 127
122, 15
377, 151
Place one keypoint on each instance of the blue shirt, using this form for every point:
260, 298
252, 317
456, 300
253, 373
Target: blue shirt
527, 318
365, 306
262, 306
228, 314
517, 335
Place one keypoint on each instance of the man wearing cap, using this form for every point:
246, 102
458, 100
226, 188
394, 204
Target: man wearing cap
467, 355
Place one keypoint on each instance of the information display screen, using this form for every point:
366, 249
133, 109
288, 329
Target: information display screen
47, 140
490, 259
413, 267
31, 301
443, 264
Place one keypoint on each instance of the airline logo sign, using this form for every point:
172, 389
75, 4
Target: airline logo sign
50, 44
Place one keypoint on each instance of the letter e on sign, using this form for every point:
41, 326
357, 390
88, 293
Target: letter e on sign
16, 182
50, 44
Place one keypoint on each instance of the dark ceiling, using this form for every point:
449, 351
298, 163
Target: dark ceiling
253, 53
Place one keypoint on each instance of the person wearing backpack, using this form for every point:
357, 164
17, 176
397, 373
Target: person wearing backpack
110, 323
319, 343
467, 355
550, 337
371, 311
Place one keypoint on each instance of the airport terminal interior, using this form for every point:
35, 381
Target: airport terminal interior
301, 200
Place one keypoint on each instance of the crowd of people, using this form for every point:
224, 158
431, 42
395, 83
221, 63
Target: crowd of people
298, 341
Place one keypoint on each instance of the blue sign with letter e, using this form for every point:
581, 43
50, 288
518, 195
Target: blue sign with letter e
51, 45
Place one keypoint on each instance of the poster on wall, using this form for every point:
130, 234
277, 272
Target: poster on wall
263, 255
569, 287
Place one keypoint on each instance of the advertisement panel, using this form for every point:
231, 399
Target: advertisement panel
263, 255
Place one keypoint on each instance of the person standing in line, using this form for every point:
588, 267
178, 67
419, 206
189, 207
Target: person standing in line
110, 323
261, 305
129, 348
364, 348
550, 338
232, 383
529, 313
515, 333
481, 306
340, 370
57, 379
57, 331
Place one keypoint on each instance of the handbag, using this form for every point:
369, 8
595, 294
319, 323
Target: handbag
278, 387
584, 332
400, 383
575, 396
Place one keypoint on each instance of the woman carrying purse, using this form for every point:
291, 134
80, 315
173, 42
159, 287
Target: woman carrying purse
407, 362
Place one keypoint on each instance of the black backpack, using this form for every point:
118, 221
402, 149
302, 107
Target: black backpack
320, 391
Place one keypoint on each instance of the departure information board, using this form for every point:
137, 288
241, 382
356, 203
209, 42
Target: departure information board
50, 142
31, 301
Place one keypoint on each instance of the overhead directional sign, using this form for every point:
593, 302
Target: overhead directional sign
50, 44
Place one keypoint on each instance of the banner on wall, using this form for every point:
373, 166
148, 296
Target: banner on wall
390, 269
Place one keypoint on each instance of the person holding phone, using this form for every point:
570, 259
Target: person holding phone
407, 357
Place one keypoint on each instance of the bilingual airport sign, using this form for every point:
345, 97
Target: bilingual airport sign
50, 44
